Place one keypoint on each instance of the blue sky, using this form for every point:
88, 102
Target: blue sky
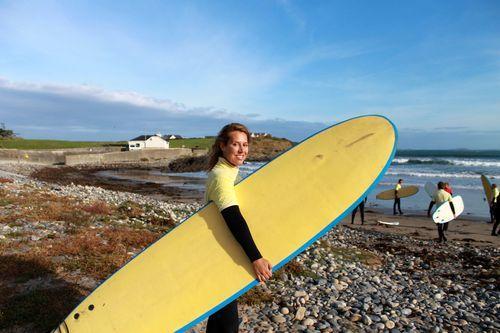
112, 70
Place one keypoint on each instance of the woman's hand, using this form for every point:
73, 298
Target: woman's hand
263, 269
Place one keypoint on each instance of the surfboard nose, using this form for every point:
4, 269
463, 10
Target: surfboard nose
63, 328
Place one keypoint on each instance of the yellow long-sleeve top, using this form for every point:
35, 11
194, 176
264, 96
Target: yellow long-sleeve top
220, 184
441, 196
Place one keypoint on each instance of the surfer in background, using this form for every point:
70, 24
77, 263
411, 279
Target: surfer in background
493, 203
397, 199
229, 152
361, 207
440, 197
497, 219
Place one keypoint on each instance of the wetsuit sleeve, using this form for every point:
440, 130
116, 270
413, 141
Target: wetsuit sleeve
239, 228
452, 208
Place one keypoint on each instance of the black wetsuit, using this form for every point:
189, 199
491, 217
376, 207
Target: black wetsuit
494, 232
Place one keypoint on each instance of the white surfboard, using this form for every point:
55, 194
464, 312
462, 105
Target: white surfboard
444, 214
430, 189
388, 223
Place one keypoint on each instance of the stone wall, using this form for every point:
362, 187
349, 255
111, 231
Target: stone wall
50, 156
135, 156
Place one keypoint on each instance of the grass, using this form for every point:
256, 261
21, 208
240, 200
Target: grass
204, 143
18, 143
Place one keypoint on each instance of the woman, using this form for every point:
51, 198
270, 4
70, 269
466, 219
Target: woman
229, 152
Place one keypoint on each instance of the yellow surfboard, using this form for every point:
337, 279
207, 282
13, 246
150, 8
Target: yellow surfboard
487, 188
198, 267
405, 191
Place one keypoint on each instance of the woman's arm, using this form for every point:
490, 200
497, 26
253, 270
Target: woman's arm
239, 228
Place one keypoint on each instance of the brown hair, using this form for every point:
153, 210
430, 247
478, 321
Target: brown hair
223, 137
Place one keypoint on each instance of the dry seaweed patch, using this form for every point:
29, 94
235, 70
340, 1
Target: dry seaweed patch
98, 253
34, 206
295, 268
351, 254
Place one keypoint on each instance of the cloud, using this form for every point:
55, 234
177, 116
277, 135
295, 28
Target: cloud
90, 113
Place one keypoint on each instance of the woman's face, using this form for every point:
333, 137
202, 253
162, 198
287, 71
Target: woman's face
236, 149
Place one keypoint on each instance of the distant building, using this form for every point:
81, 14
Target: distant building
172, 137
259, 135
155, 141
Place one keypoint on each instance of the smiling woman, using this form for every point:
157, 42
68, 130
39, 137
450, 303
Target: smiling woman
228, 153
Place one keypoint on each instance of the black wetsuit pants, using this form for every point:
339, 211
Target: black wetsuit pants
442, 227
225, 320
361, 207
493, 210
496, 219
397, 202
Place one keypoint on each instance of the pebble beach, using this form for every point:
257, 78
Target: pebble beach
356, 278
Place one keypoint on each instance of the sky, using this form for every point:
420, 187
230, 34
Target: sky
112, 70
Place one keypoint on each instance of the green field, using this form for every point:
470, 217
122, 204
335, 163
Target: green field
54, 144
192, 143
61, 144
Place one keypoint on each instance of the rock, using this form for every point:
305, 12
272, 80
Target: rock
300, 293
390, 324
285, 311
308, 322
279, 319
301, 311
355, 317
406, 312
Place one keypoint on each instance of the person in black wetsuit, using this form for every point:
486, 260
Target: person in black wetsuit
361, 208
229, 152
397, 199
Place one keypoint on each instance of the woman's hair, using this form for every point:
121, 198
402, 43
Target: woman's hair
223, 137
441, 185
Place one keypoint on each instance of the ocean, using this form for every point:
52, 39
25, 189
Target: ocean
461, 168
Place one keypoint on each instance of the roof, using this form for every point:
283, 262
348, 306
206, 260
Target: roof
143, 137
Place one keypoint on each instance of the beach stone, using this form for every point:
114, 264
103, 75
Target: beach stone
301, 311
406, 312
308, 322
355, 317
438, 297
285, 311
390, 324
279, 319
367, 320
300, 293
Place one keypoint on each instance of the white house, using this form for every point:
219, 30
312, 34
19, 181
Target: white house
148, 142
259, 135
